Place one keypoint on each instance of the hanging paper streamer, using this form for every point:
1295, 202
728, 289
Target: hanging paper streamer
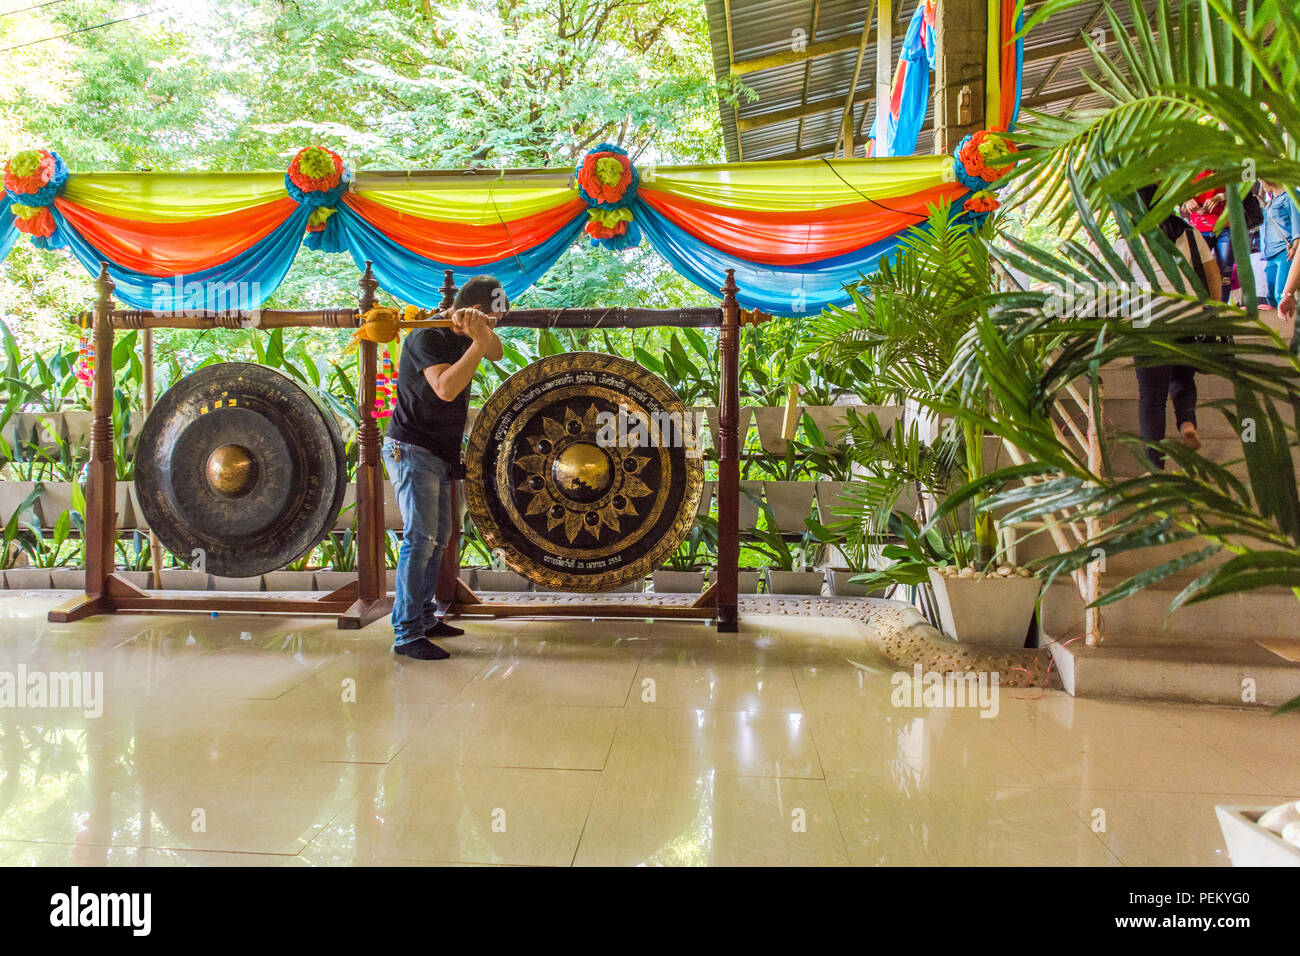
607, 182
85, 370
385, 383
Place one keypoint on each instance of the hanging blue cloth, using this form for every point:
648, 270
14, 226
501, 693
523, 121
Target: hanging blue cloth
244, 282
897, 136
410, 277
8, 231
779, 290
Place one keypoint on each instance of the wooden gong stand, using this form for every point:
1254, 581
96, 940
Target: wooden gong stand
364, 600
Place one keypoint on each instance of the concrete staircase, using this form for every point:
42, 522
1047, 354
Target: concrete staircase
1206, 652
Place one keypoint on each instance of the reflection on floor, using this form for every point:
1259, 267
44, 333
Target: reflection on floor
266, 741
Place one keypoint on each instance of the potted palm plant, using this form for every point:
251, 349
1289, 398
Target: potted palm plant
791, 569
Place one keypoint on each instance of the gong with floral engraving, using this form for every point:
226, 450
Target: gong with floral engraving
583, 472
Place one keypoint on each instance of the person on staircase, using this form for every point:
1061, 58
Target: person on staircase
1160, 384
1279, 239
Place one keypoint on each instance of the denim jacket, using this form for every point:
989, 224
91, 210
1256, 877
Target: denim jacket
1281, 225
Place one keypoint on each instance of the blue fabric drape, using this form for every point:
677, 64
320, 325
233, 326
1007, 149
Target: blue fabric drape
8, 231
413, 278
897, 137
802, 290
244, 282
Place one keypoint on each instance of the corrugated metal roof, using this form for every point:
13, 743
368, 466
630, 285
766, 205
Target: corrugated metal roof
766, 127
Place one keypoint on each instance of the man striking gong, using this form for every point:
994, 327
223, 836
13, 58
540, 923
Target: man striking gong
422, 452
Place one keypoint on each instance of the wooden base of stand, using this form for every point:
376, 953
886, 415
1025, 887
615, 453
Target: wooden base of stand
705, 607
122, 597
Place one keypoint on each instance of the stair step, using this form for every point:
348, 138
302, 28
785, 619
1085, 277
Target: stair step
1189, 672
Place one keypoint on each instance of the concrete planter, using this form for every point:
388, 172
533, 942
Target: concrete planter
992, 610
57, 498
76, 426
790, 502
288, 580
27, 579
486, 579
843, 586
137, 515
348, 510
751, 494
236, 584
471, 416
333, 580
392, 513
44, 429
141, 579
678, 582
770, 419
183, 579
632, 587
68, 579
794, 582
742, 424
706, 498
1249, 844
12, 494
887, 415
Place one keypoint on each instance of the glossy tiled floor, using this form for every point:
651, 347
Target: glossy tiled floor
282, 742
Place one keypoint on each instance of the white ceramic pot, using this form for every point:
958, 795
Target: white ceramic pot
1248, 843
991, 610
747, 582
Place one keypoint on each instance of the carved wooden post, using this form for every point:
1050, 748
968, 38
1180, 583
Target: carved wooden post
449, 573
728, 461
370, 471
101, 476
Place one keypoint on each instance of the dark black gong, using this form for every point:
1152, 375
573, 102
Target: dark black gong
240, 468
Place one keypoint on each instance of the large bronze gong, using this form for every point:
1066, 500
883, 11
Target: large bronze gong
240, 467
582, 471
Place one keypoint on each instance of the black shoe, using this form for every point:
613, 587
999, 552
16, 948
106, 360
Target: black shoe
443, 629
422, 650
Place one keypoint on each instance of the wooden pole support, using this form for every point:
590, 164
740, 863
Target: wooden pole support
371, 584
447, 590
728, 460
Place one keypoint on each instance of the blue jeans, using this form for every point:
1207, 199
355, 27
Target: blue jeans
422, 481
1276, 269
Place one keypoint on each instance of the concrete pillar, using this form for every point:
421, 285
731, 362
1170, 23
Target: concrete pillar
961, 33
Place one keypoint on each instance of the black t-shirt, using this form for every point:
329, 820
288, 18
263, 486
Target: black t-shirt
420, 417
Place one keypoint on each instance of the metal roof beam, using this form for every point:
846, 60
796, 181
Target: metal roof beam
824, 105
810, 52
